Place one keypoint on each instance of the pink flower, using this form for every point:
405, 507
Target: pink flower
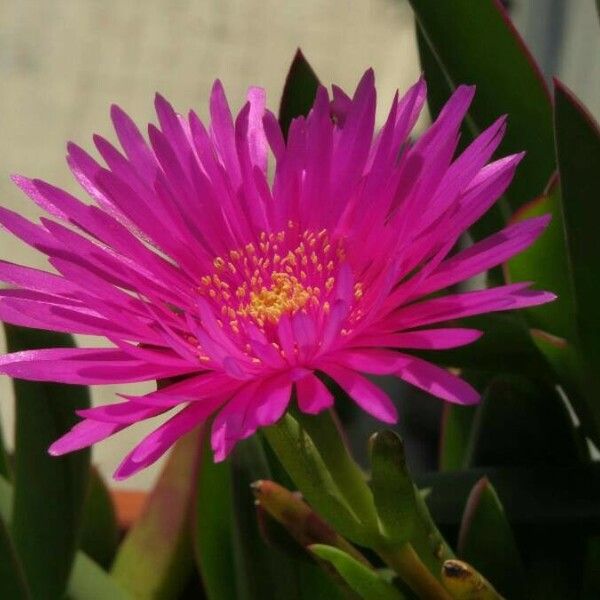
200, 271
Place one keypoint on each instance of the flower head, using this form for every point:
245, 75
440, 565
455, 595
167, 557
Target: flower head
237, 288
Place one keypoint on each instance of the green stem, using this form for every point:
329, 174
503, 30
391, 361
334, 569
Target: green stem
406, 562
304, 463
325, 432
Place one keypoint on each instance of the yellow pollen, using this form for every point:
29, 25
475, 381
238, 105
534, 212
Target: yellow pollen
281, 272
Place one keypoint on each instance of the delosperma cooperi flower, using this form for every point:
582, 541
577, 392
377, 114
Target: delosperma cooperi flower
237, 287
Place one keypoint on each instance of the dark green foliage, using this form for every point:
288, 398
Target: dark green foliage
48, 492
298, 93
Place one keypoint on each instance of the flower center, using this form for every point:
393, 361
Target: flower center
285, 295
283, 273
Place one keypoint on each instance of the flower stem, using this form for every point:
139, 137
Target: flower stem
406, 562
328, 438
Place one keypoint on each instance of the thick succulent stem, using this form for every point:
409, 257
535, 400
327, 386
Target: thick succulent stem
406, 562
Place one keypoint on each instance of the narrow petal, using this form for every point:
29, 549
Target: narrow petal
232, 424
367, 395
153, 446
84, 434
313, 395
424, 339
125, 413
87, 366
438, 382
445, 308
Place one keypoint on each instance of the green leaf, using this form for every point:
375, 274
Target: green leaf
364, 581
539, 495
89, 582
578, 155
327, 436
155, 559
454, 437
545, 263
402, 512
231, 550
4, 463
299, 91
99, 528
301, 459
393, 489
521, 423
487, 542
49, 492
439, 87
476, 43
12, 577
213, 528
262, 571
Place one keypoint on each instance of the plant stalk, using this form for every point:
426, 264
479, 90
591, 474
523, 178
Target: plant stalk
406, 562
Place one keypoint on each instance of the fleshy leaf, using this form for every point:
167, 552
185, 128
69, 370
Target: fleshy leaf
89, 582
360, 578
521, 423
213, 528
49, 492
578, 155
487, 542
262, 572
402, 511
4, 463
99, 529
308, 579
324, 430
393, 488
163, 527
454, 437
303, 462
533, 495
545, 262
12, 576
299, 91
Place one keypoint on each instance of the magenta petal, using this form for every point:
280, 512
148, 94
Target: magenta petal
121, 412
153, 446
428, 312
275, 396
88, 366
313, 395
437, 381
424, 339
367, 395
234, 422
192, 389
82, 435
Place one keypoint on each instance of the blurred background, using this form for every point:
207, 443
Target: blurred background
62, 63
